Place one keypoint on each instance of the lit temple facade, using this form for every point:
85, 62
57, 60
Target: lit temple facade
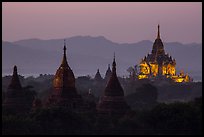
64, 91
160, 64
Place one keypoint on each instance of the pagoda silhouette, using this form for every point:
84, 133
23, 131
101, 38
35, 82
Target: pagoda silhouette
64, 91
112, 102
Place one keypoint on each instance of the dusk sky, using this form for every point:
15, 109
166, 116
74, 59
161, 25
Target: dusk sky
122, 22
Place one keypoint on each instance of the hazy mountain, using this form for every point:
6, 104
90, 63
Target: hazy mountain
85, 54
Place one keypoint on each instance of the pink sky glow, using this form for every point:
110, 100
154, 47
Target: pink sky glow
123, 22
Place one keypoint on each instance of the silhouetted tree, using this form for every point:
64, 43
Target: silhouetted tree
144, 97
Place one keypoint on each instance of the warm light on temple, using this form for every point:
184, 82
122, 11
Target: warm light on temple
158, 63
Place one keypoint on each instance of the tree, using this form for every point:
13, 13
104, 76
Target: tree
144, 97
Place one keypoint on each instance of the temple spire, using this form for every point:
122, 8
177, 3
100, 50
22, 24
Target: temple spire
64, 60
158, 33
15, 71
112, 102
98, 76
114, 65
64, 47
15, 82
108, 73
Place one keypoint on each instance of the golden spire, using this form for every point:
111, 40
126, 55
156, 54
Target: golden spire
158, 33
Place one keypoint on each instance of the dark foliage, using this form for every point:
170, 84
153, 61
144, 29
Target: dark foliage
174, 118
144, 97
147, 115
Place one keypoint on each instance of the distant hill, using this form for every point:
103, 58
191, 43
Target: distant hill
85, 54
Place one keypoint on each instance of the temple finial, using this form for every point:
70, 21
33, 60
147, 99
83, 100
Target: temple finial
15, 69
158, 33
64, 46
15, 83
114, 57
64, 60
64, 42
114, 64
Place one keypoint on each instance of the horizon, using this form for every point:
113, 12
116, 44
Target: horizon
195, 77
100, 36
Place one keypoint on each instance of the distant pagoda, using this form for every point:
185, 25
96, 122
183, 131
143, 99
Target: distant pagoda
158, 64
64, 90
108, 73
98, 76
16, 100
113, 102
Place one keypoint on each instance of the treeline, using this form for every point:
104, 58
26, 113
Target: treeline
165, 93
175, 118
147, 116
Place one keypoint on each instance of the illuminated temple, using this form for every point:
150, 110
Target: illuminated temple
158, 64
64, 90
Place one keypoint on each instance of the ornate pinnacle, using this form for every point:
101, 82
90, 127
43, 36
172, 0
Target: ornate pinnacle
158, 33
64, 47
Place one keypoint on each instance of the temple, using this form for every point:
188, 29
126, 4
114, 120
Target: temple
98, 76
64, 90
108, 73
158, 64
113, 102
16, 100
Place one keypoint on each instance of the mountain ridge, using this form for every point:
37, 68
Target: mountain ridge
100, 36
86, 54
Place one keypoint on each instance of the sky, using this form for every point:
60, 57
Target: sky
122, 22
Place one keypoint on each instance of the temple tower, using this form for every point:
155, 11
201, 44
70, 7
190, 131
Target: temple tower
159, 64
112, 101
108, 73
16, 100
98, 76
64, 90
158, 47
